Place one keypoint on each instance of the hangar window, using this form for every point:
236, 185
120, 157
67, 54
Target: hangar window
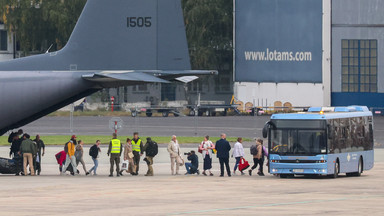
359, 65
3, 40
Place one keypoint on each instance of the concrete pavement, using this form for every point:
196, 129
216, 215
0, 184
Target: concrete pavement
163, 194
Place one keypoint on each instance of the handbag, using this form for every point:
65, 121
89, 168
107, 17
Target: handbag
243, 164
130, 155
180, 160
124, 165
199, 149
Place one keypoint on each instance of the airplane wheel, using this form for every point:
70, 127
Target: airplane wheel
149, 114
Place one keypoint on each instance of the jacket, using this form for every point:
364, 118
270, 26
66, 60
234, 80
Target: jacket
238, 150
127, 150
205, 145
173, 152
28, 146
60, 157
260, 152
222, 147
194, 161
71, 148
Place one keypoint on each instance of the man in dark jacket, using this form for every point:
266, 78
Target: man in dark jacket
192, 167
222, 147
40, 145
151, 150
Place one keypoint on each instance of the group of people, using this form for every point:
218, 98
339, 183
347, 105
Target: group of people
29, 150
73, 154
222, 150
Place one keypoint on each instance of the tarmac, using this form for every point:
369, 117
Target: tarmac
164, 194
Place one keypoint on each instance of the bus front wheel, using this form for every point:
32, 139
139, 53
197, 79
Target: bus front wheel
336, 171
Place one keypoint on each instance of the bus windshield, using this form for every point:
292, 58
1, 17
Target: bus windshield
298, 142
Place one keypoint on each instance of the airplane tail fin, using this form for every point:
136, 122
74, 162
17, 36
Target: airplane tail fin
120, 35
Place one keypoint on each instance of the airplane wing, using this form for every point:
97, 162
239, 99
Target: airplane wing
109, 79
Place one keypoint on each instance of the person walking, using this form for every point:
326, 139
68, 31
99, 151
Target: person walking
222, 147
94, 153
238, 153
128, 156
28, 150
137, 149
258, 151
114, 151
70, 157
206, 148
40, 146
174, 152
79, 154
151, 150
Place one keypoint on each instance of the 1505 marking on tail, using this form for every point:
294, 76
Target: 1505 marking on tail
139, 22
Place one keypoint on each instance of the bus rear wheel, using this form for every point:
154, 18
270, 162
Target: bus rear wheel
359, 169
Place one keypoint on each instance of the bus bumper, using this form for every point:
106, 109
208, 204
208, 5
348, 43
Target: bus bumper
299, 169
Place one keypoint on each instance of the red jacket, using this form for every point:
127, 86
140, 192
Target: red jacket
60, 157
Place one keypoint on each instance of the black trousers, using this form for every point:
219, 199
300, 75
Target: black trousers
259, 162
224, 161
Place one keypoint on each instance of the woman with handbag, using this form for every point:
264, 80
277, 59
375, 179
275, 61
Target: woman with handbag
238, 153
206, 147
175, 155
128, 156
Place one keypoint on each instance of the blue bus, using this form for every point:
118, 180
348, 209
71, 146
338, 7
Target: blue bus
321, 141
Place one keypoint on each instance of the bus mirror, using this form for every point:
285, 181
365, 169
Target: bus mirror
265, 130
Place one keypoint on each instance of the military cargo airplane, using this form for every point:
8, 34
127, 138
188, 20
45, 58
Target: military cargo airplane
114, 43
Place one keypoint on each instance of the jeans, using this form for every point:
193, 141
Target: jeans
237, 163
94, 168
71, 161
224, 161
188, 167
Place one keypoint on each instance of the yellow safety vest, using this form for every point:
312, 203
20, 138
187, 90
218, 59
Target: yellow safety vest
116, 145
136, 146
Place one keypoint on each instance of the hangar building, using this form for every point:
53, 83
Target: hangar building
309, 52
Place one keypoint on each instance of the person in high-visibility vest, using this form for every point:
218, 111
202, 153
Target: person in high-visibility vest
137, 150
114, 150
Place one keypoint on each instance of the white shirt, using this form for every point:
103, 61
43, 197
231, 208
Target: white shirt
204, 145
238, 150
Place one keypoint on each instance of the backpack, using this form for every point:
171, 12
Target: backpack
66, 147
253, 150
93, 151
152, 149
10, 137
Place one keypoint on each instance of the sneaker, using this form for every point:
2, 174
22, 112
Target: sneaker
111, 175
87, 173
95, 174
250, 172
